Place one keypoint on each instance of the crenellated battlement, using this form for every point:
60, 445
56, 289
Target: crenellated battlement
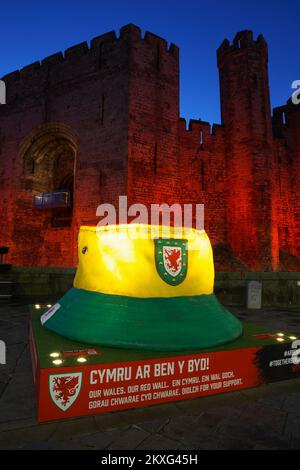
82, 59
285, 117
243, 40
199, 131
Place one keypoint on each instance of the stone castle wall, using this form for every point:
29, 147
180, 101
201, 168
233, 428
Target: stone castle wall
103, 120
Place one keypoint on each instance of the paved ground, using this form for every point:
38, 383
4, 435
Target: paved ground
264, 418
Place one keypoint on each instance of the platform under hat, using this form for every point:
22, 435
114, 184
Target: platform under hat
143, 287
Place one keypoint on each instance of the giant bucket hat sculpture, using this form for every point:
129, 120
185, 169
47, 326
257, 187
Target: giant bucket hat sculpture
143, 287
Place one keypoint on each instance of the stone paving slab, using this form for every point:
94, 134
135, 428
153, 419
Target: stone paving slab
158, 442
267, 417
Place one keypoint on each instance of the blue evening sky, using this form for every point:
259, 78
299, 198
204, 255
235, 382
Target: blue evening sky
31, 30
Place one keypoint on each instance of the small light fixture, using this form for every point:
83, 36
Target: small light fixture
55, 354
280, 334
57, 362
81, 359
280, 339
49, 305
37, 306
292, 337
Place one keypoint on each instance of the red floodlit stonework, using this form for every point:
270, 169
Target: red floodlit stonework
83, 127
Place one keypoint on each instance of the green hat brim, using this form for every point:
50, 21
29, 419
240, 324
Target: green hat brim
158, 324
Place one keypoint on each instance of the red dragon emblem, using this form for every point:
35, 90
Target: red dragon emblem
173, 259
64, 389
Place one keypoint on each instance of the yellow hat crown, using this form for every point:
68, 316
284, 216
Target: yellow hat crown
139, 260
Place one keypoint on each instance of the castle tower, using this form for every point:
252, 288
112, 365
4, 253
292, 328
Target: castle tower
153, 118
245, 109
88, 125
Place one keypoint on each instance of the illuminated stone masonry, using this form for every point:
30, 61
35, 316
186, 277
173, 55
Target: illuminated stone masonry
101, 120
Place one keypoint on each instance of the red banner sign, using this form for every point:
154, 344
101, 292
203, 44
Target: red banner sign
91, 389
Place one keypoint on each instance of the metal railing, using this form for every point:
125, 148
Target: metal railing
52, 200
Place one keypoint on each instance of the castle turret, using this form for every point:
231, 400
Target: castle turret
245, 109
